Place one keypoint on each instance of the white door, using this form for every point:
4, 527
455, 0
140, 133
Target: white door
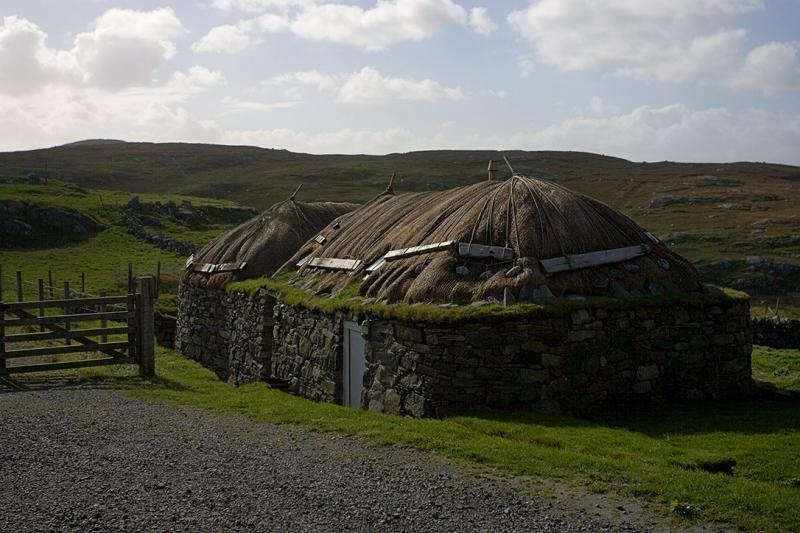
355, 364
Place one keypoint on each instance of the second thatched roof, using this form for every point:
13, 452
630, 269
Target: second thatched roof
261, 245
521, 239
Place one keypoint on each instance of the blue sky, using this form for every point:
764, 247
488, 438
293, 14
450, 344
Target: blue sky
687, 80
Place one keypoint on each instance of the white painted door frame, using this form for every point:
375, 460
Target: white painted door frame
353, 353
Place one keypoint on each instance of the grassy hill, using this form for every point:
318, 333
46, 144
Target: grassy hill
706, 211
102, 257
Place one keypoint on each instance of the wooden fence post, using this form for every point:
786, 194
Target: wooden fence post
146, 290
66, 311
50, 283
130, 278
40, 288
19, 286
2, 336
83, 283
104, 321
1, 283
158, 279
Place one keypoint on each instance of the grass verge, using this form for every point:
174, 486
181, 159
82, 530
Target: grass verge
662, 454
431, 312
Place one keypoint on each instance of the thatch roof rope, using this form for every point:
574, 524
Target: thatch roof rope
297, 190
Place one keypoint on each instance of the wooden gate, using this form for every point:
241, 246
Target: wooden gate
131, 316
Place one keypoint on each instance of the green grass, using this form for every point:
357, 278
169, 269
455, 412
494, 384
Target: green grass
779, 367
430, 312
104, 257
654, 453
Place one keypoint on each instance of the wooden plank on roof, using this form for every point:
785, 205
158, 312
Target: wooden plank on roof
230, 267
482, 251
333, 263
418, 250
320, 239
603, 257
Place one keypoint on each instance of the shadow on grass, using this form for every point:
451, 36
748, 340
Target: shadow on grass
746, 417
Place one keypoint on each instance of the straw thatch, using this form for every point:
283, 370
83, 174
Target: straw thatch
264, 242
538, 219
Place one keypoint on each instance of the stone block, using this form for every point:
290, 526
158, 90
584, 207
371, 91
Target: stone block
645, 373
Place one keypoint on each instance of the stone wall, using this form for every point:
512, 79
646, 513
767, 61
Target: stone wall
776, 332
229, 333
588, 358
307, 352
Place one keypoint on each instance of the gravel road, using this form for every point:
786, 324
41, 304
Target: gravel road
96, 460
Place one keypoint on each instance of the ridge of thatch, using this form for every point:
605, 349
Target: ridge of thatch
264, 242
535, 218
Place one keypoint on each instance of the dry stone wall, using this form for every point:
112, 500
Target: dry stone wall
578, 361
307, 352
587, 359
229, 333
776, 332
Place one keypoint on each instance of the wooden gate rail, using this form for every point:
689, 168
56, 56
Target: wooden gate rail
137, 314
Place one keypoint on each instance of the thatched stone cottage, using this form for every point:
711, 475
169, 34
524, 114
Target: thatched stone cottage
502, 294
206, 325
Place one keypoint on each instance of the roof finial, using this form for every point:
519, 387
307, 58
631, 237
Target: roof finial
508, 164
390, 187
492, 170
297, 190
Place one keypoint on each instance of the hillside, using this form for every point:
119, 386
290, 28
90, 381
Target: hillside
719, 215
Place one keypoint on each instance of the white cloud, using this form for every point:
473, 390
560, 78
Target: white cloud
229, 38
774, 63
234, 38
258, 6
235, 105
126, 46
668, 40
368, 86
123, 49
673, 132
313, 78
25, 61
480, 21
374, 29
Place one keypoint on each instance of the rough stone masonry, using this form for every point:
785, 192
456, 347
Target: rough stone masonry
575, 361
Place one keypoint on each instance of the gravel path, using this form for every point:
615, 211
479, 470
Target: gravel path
96, 460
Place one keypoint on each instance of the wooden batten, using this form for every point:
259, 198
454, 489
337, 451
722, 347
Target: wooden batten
210, 268
320, 239
482, 251
603, 257
418, 250
332, 263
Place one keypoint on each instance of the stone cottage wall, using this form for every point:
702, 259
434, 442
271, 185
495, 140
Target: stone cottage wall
589, 358
307, 352
776, 332
229, 333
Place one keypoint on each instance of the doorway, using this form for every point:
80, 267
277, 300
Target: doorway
355, 364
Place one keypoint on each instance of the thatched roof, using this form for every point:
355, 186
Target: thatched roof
263, 243
527, 220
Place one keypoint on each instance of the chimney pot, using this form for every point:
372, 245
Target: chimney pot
492, 170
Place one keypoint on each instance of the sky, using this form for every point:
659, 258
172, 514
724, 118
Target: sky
654, 80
